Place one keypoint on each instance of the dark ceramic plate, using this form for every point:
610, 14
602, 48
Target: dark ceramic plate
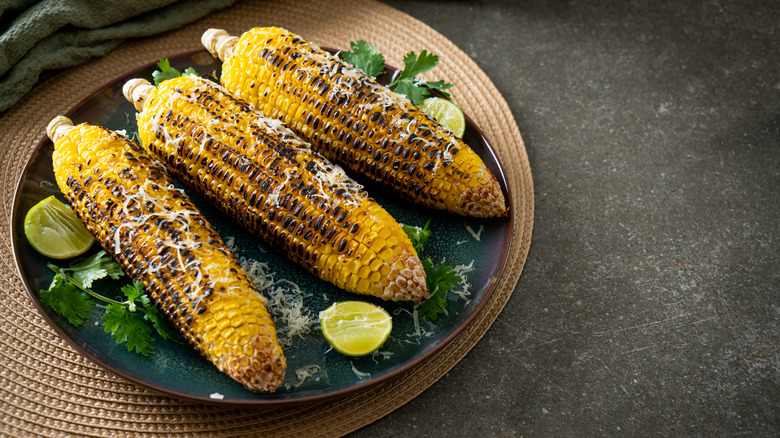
180, 371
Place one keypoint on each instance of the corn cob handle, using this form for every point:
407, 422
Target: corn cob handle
256, 170
354, 121
129, 203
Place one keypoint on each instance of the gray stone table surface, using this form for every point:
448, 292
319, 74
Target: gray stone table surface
650, 301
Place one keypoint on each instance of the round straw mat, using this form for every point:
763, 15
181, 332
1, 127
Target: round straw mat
48, 389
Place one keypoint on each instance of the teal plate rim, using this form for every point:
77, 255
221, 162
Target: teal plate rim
35, 276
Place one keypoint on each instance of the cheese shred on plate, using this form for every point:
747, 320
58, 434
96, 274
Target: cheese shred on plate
360, 375
476, 234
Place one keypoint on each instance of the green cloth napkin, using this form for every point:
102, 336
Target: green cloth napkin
52, 34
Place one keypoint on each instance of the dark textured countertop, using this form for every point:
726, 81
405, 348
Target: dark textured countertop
650, 301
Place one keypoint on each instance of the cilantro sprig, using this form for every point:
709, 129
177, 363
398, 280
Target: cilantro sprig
365, 57
129, 321
439, 280
418, 235
417, 89
166, 72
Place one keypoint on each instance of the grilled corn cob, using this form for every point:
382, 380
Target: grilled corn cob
129, 203
256, 170
354, 121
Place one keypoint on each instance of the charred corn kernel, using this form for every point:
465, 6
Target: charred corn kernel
128, 201
354, 121
257, 171
360, 251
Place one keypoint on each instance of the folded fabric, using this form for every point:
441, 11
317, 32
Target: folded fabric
52, 34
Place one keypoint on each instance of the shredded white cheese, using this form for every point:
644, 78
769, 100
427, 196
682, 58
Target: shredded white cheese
462, 290
217, 396
416, 336
306, 372
475, 234
361, 375
385, 355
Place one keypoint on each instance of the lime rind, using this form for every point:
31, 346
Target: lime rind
55, 231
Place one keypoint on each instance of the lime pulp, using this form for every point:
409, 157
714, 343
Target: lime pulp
55, 231
446, 113
355, 328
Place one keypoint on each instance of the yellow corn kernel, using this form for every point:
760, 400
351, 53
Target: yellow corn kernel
386, 254
376, 264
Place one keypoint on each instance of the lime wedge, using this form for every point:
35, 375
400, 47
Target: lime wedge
355, 328
446, 113
55, 231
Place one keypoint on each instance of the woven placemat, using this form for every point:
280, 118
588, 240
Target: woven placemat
48, 389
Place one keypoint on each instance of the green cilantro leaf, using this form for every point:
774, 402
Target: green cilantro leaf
433, 307
95, 267
414, 65
128, 327
134, 292
161, 324
414, 92
165, 72
136, 295
417, 235
440, 86
128, 321
439, 281
417, 89
67, 300
190, 71
365, 57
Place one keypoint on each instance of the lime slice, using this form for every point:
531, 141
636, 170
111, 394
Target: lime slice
355, 328
55, 231
446, 113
